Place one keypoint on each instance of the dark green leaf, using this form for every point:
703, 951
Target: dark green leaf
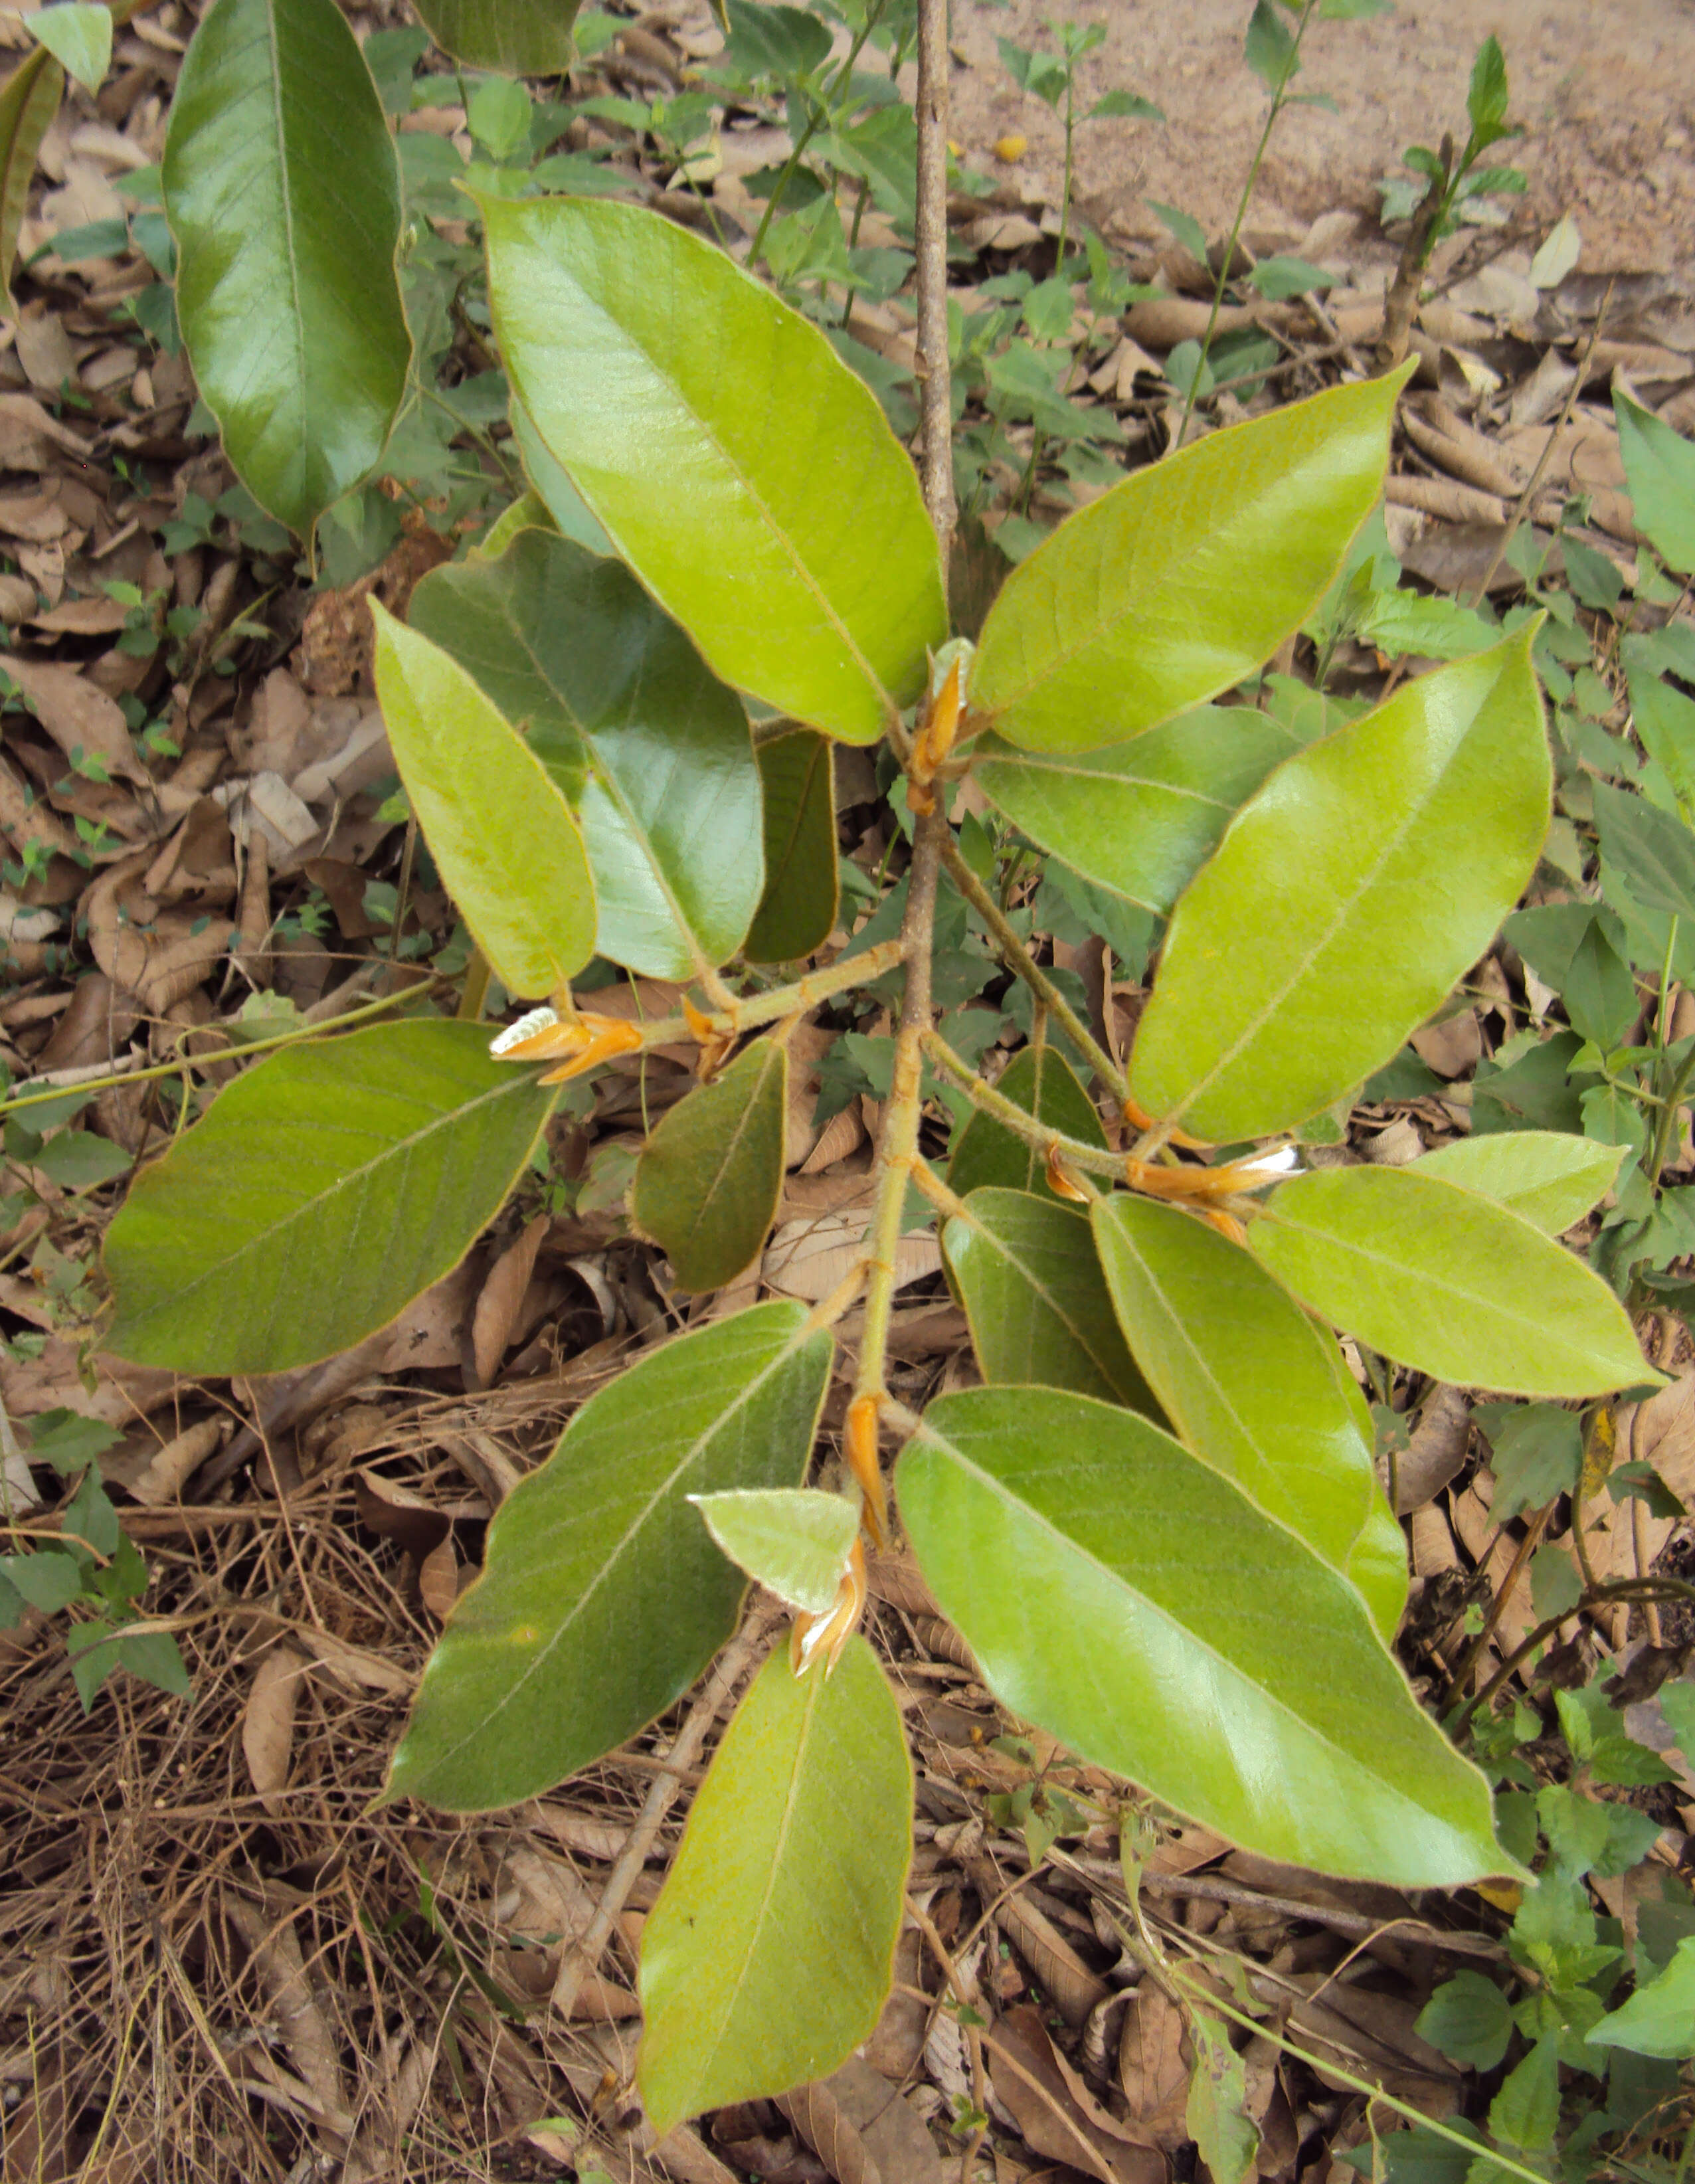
47, 1580
523, 37
1538, 1453
1033, 1292
1654, 852
797, 912
1269, 46
78, 1160
284, 197
769, 40
1527, 2110
1659, 470
603, 1596
380, 1155
1469, 2019
709, 1178
1043, 1084
651, 749
68, 1441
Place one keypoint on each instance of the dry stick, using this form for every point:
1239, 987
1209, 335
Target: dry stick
1498, 1607
1521, 506
1020, 961
1626, 1590
972, 2034
1402, 298
582, 1960
935, 379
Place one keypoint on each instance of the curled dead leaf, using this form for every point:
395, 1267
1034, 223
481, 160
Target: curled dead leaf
502, 1295
268, 1725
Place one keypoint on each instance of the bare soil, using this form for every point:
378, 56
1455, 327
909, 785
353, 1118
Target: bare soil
1605, 88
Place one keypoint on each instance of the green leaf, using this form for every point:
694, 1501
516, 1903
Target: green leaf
570, 512
1469, 2019
1543, 1176
1485, 99
1125, 106
1180, 582
1251, 1386
1184, 227
790, 541
1216, 2111
1033, 1296
48, 1581
1279, 278
709, 1177
1525, 2111
650, 748
1139, 818
520, 37
1537, 1453
78, 1160
1187, 1640
1346, 899
79, 37
602, 1596
27, 106
1269, 48
284, 197
324, 1190
771, 1950
1653, 852
1664, 720
1660, 2018
498, 827
69, 1441
792, 1540
769, 40
797, 912
1659, 470
1043, 1084
1441, 1279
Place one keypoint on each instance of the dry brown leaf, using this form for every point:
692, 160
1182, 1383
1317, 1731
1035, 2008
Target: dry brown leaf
270, 1938
817, 2116
1052, 1960
1028, 2080
1367, 2027
438, 1579
355, 1667
807, 1259
176, 1461
501, 1298
889, 2128
268, 1725
1438, 1450
1452, 1047
1153, 2071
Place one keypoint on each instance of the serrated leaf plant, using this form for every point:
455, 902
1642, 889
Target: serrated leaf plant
1157, 1523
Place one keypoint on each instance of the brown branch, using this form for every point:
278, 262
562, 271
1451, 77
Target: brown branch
935, 377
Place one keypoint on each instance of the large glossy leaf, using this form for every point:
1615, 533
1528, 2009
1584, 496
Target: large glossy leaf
498, 827
1443, 1278
283, 194
1546, 1177
652, 751
1347, 897
797, 912
520, 37
743, 470
324, 1190
1142, 817
27, 106
708, 1179
1043, 1084
770, 1952
1033, 1292
1185, 578
1128, 1598
1253, 1386
602, 1596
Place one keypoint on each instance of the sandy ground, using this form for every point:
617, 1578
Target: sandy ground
1606, 89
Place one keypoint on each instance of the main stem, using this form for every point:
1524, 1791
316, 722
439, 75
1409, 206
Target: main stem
898, 1148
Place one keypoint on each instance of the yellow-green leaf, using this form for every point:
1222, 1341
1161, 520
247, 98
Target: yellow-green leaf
1347, 896
792, 1540
746, 475
1184, 579
602, 1596
27, 106
1128, 1598
500, 831
1442, 1278
1548, 1177
708, 1179
1251, 1385
771, 1950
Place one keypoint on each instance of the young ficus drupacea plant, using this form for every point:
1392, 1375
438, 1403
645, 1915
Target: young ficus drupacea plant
1157, 1523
